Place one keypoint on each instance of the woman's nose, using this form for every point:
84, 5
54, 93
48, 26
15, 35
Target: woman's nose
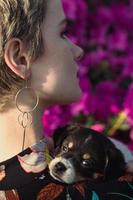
78, 52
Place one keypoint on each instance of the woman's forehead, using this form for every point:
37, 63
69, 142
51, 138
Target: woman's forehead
55, 12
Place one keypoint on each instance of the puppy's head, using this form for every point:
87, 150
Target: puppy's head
81, 154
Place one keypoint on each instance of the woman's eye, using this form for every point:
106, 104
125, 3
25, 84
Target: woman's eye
64, 33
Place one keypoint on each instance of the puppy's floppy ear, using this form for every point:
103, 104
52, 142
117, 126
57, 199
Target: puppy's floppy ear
59, 135
62, 132
116, 163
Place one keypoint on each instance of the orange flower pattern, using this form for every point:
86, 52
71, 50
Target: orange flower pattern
2, 172
35, 161
9, 195
50, 192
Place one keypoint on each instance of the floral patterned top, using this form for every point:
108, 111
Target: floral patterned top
26, 177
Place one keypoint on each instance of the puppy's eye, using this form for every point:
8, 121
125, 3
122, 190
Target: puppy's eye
86, 163
65, 148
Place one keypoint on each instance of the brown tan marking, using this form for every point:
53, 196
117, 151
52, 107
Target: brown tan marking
86, 156
70, 145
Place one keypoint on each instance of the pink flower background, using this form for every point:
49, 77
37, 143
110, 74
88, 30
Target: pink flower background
105, 30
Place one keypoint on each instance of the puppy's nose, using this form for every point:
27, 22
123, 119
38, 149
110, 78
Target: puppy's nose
59, 167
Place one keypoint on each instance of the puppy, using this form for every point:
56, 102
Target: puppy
84, 154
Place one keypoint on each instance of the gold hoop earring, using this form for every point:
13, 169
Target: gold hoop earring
25, 118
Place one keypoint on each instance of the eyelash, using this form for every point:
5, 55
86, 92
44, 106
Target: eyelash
64, 33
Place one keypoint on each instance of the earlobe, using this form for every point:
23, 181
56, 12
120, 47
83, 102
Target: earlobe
16, 57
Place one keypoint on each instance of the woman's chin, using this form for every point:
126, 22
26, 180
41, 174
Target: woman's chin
72, 97
67, 97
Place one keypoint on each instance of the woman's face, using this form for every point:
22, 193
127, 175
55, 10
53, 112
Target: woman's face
54, 74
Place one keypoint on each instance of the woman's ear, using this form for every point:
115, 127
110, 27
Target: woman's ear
16, 57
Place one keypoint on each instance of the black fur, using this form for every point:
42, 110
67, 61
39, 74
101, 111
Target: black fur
105, 158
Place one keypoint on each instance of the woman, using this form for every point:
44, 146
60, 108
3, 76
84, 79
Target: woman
37, 69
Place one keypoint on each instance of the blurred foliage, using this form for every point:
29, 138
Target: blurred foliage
104, 29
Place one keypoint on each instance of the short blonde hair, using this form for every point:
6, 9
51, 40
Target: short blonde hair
20, 19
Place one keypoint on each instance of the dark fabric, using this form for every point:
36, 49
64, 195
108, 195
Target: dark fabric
26, 177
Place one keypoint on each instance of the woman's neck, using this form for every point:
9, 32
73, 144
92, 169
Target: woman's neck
11, 132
